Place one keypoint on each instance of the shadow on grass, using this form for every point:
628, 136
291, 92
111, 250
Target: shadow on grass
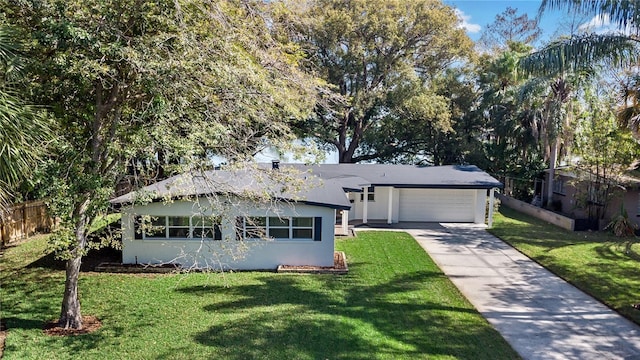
392, 319
595, 262
524, 229
621, 250
15, 322
89, 261
30, 295
71, 344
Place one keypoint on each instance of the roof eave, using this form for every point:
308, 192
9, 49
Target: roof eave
444, 186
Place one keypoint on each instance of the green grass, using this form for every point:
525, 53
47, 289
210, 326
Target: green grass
394, 304
595, 262
103, 221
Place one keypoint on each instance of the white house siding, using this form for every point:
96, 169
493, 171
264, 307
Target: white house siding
441, 205
229, 253
481, 204
378, 208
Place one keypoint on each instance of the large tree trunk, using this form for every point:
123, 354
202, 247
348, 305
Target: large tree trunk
346, 152
70, 315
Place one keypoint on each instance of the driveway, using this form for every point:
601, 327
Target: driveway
539, 314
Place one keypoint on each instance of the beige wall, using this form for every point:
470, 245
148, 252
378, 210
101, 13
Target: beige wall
540, 213
628, 197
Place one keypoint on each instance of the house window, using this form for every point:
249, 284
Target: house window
255, 227
371, 194
596, 194
206, 227
177, 227
558, 186
280, 228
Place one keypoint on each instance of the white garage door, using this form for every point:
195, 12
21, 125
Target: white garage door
442, 205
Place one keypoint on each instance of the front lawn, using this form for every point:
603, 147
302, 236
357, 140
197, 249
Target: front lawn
394, 304
595, 262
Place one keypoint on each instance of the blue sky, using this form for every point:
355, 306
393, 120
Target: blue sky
476, 14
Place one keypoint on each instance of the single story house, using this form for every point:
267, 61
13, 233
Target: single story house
288, 213
407, 193
579, 197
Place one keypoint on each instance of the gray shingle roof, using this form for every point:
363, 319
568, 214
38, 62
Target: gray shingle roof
252, 183
353, 176
321, 185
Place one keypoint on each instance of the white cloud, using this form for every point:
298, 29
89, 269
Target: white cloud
596, 23
601, 24
465, 24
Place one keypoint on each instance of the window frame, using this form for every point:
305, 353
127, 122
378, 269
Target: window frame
371, 194
248, 226
559, 186
141, 234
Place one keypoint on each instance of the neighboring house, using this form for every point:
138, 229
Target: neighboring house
583, 200
293, 207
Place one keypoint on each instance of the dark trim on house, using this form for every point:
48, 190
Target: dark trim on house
461, 187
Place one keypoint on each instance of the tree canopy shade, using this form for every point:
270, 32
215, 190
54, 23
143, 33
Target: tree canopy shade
132, 80
379, 60
23, 128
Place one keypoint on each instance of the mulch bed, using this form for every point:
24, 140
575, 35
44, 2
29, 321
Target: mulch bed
339, 266
89, 325
137, 268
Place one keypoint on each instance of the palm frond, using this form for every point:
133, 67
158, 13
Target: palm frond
24, 129
533, 88
10, 60
622, 12
23, 133
580, 53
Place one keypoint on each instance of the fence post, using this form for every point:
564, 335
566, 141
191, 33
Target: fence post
24, 221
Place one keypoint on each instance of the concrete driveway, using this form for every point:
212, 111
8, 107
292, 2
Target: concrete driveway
539, 314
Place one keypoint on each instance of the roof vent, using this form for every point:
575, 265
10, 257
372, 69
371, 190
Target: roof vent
275, 164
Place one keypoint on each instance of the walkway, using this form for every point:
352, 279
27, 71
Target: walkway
539, 314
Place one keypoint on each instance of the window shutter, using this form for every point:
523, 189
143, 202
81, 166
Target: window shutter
239, 227
317, 229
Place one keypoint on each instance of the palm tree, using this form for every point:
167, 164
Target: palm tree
23, 129
580, 51
629, 113
577, 53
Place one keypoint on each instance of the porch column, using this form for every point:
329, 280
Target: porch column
345, 222
390, 207
365, 204
491, 200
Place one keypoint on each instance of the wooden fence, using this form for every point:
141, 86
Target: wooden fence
23, 220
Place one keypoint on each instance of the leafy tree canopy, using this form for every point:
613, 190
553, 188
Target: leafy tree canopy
137, 82
379, 61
